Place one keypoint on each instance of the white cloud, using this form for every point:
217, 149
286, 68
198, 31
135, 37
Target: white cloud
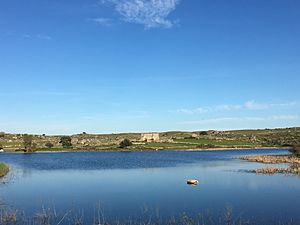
221, 120
26, 36
249, 105
284, 117
255, 106
44, 37
233, 123
149, 13
106, 22
38, 36
209, 109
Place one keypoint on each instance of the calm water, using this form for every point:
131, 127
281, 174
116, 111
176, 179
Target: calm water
125, 183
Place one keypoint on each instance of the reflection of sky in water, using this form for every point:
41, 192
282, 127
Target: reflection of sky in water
160, 183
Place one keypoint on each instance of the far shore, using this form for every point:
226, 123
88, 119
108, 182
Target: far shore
210, 140
144, 150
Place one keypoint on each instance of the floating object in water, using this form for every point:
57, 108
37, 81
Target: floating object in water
192, 182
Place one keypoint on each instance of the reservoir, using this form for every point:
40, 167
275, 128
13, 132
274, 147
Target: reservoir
130, 185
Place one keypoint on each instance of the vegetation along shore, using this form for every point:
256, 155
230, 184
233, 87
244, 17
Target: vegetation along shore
49, 215
293, 162
4, 169
212, 139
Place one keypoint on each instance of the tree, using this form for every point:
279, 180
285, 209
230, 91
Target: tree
125, 143
27, 142
33, 147
49, 145
66, 141
2, 134
295, 150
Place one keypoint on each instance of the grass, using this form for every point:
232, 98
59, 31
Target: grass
167, 144
47, 216
215, 142
4, 169
168, 140
198, 144
54, 149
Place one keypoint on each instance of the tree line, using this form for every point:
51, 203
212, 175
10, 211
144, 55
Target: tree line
31, 146
65, 141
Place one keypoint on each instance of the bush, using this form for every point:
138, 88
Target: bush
4, 169
27, 142
189, 137
206, 146
295, 150
49, 145
66, 141
125, 143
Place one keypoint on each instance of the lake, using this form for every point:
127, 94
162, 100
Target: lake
128, 185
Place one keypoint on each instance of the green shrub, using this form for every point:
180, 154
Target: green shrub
3, 169
203, 133
125, 143
295, 150
27, 142
49, 145
206, 146
66, 141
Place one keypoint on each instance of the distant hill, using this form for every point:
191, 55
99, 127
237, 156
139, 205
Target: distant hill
167, 140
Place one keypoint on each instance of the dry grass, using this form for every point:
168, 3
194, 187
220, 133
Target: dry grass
293, 161
49, 216
273, 159
4, 169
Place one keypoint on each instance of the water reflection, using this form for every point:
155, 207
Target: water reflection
124, 183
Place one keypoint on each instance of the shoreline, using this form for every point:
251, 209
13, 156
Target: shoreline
146, 150
155, 150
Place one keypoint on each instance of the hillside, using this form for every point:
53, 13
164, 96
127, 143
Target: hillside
167, 140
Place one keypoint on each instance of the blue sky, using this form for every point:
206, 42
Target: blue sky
68, 66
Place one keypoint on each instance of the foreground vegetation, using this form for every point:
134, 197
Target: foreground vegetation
4, 169
47, 216
167, 140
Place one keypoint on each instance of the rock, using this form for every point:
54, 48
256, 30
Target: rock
192, 182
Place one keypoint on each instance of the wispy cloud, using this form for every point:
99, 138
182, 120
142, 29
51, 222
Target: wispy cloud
149, 13
209, 109
27, 36
249, 105
106, 22
38, 93
37, 36
221, 120
253, 105
44, 37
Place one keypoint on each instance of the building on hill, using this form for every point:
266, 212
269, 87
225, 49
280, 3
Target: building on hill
149, 137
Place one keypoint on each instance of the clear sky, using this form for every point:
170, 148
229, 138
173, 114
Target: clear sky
68, 66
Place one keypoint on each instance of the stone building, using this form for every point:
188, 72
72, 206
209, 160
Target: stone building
149, 137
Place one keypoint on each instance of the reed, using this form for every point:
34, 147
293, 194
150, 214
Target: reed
4, 169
